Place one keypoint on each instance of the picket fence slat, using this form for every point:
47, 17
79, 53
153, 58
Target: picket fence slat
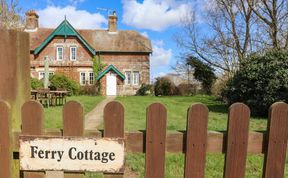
274, 160
196, 141
32, 124
237, 141
32, 118
155, 141
73, 125
114, 127
5, 140
73, 119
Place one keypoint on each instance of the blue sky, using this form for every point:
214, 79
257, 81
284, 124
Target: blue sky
159, 20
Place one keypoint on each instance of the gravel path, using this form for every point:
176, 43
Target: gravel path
95, 117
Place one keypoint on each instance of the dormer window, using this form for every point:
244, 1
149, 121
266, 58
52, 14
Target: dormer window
59, 53
73, 53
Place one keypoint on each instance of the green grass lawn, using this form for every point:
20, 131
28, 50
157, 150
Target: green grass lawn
135, 112
53, 115
135, 119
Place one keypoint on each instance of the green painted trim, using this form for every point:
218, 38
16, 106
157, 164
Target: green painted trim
64, 29
111, 67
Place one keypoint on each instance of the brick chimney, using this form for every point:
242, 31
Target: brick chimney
32, 22
112, 22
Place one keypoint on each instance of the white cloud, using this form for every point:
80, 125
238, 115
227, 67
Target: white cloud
160, 56
76, 2
52, 16
154, 14
145, 34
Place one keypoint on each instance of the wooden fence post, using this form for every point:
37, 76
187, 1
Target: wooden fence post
277, 134
155, 141
32, 124
5, 140
114, 126
196, 141
237, 141
73, 125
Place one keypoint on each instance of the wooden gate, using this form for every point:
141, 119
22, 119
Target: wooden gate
155, 142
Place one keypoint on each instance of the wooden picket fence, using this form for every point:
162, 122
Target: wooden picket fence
155, 142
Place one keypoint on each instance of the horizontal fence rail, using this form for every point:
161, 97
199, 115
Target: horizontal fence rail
195, 142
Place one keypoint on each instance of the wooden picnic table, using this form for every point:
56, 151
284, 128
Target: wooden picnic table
49, 97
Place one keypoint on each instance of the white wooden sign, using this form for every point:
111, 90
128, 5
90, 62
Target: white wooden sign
72, 154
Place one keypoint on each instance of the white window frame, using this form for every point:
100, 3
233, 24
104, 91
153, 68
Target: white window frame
71, 53
91, 81
134, 77
57, 53
42, 73
135, 80
128, 78
81, 79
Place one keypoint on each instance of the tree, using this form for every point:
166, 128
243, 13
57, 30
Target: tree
229, 24
203, 73
184, 70
261, 81
273, 18
10, 17
234, 29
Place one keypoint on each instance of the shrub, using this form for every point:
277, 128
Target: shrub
164, 86
144, 90
89, 90
62, 81
35, 83
185, 89
261, 81
220, 85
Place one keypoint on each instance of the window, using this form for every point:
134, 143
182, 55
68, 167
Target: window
73, 53
128, 78
42, 74
136, 78
91, 78
82, 78
59, 53
132, 78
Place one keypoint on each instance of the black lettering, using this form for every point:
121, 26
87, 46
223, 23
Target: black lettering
41, 154
104, 157
60, 153
91, 155
96, 156
112, 156
33, 151
53, 154
86, 155
47, 154
70, 153
80, 155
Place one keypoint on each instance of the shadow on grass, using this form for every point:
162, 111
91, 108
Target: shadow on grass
220, 108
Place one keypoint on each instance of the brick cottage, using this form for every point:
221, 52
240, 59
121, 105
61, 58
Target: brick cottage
126, 54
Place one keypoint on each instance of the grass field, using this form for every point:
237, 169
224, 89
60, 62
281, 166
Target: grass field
135, 112
135, 119
53, 115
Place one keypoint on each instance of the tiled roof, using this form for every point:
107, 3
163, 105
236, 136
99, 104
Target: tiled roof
101, 40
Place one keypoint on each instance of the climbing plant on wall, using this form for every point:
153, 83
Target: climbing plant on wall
98, 66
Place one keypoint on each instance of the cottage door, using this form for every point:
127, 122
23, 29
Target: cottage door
111, 85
